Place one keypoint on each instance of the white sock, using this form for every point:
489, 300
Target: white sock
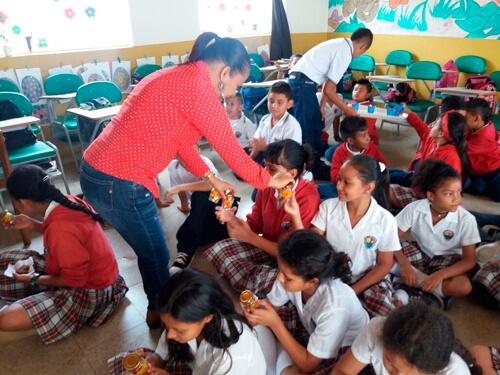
401, 295
268, 343
439, 290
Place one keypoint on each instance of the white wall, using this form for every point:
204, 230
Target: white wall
307, 16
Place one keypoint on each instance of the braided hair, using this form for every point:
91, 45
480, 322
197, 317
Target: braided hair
31, 182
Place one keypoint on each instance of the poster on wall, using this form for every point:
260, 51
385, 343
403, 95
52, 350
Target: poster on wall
96, 72
451, 18
31, 84
60, 69
121, 75
10, 75
170, 60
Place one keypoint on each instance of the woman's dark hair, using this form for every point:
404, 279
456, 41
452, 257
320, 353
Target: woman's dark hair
456, 125
209, 47
369, 170
290, 154
423, 336
190, 296
310, 255
31, 182
431, 174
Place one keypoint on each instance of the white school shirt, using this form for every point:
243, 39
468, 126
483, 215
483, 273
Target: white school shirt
179, 175
286, 128
367, 348
448, 236
243, 129
327, 60
333, 315
376, 231
246, 357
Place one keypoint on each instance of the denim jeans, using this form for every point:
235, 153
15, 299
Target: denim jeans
400, 177
131, 209
486, 184
327, 191
329, 153
306, 110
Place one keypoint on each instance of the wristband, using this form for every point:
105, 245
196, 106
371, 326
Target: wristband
208, 175
34, 278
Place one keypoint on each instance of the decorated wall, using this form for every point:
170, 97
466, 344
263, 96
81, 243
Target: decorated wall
445, 18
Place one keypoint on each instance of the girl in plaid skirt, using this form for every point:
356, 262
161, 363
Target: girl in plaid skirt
413, 339
248, 259
445, 233
76, 281
204, 334
312, 277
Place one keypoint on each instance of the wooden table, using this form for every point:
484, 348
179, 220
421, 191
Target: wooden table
462, 91
98, 115
10, 125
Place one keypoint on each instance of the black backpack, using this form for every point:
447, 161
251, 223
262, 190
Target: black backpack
17, 138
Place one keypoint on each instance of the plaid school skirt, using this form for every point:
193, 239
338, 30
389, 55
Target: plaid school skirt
115, 364
290, 318
425, 263
489, 276
404, 195
495, 358
377, 299
243, 265
57, 313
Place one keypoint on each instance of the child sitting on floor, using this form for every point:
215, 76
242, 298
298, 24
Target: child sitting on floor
354, 131
278, 124
445, 235
413, 339
204, 334
482, 149
243, 128
248, 259
324, 316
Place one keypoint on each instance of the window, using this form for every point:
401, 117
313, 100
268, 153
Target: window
235, 17
43, 26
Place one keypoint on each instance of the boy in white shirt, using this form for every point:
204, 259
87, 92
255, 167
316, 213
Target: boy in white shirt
278, 124
243, 128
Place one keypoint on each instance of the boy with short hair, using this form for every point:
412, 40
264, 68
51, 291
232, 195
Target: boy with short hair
354, 132
482, 150
243, 128
278, 124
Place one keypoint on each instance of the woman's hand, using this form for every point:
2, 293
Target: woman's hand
221, 186
240, 230
408, 275
264, 315
431, 282
224, 216
19, 222
280, 180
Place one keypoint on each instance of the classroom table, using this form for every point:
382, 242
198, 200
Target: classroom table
272, 68
381, 114
69, 98
10, 125
97, 115
390, 79
462, 91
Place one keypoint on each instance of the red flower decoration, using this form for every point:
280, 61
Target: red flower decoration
3, 18
69, 13
395, 3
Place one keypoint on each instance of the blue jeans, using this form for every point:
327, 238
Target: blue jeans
486, 184
400, 177
327, 191
329, 153
306, 110
131, 209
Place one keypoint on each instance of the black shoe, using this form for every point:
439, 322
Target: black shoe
418, 294
182, 260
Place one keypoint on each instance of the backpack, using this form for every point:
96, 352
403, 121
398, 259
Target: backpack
345, 83
483, 82
17, 138
400, 93
448, 79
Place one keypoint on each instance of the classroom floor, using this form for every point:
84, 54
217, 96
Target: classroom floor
87, 351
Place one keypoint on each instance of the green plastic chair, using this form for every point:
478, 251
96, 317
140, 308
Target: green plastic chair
255, 74
98, 89
59, 84
471, 64
495, 118
361, 64
146, 69
257, 59
397, 57
40, 150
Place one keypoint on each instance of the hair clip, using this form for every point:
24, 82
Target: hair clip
45, 178
382, 167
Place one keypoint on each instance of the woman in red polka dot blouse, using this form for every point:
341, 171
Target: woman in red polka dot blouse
166, 115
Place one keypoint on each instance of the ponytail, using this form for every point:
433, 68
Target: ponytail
209, 47
453, 125
290, 154
31, 182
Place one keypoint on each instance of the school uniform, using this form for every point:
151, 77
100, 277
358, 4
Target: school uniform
326, 61
248, 267
286, 128
437, 246
368, 348
243, 129
179, 175
376, 231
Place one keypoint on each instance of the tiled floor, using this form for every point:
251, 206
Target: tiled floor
87, 351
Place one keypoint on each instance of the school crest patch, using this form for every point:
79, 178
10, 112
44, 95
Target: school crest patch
370, 241
238, 134
448, 234
286, 225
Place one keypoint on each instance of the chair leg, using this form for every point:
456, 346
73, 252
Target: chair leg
60, 166
68, 137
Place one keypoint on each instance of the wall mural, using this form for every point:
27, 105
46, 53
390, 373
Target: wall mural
450, 18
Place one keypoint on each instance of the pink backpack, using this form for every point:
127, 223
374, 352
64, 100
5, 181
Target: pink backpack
448, 79
483, 82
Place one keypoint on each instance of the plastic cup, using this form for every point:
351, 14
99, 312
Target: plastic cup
355, 106
371, 108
